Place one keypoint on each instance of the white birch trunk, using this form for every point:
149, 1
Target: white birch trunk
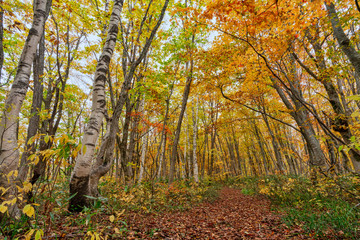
189, 144
195, 126
79, 183
143, 156
9, 152
183, 173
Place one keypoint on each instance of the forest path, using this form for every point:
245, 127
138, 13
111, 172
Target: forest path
232, 216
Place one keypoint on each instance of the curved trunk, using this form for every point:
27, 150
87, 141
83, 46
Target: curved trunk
79, 183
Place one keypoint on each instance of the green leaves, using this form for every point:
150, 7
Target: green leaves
354, 97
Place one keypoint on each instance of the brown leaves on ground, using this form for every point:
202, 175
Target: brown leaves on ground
233, 216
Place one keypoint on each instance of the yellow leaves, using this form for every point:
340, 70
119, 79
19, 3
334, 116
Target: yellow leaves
3, 208
29, 234
29, 210
127, 198
34, 159
76, 151
3, 190
47, 138
119, 213
38, 234
13, 173
93, 235
10, 202
26, 187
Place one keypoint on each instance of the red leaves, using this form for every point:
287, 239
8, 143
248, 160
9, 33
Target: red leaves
233, 216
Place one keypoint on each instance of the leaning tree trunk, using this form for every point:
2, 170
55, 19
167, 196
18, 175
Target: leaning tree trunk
85, 177
178, 129
79, 183
341, 121
300, 115
343, 40
9, 152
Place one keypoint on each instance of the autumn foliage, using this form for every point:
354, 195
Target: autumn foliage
179, 119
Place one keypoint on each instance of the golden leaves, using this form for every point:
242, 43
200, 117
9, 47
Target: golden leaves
29, 210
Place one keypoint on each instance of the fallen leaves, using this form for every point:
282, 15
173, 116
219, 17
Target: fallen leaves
232, 216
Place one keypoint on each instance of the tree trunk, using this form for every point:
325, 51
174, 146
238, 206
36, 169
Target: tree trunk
276, 148
39, 65
79, 183
178, 128
300, 115
195, 113
343, 40
85, 177
1, 38
212, 152
9, 151
143, 156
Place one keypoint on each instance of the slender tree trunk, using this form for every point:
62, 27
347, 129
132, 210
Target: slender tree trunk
163, 156
212, 152
195, 112
237, 151
178, 128
189, 158
162, 145
204, 154
252, 164
39, 65
139, 110
9, 151
1, 38
262, 150
143, 156
343, 40
276, 148
79, 183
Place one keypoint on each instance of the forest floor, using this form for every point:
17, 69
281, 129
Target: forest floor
275, 207
232, 216
228, 214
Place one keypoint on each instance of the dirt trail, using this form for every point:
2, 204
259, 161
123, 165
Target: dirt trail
233, 216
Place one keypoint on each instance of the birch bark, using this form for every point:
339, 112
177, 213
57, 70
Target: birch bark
79, 183
9, 152
195, 112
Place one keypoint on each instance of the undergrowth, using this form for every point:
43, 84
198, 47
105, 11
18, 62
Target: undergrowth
328, 208
150, 196
107, 215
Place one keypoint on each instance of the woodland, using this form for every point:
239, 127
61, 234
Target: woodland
179, 119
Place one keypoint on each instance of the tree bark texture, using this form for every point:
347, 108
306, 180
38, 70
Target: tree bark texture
9, 152
79, 183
